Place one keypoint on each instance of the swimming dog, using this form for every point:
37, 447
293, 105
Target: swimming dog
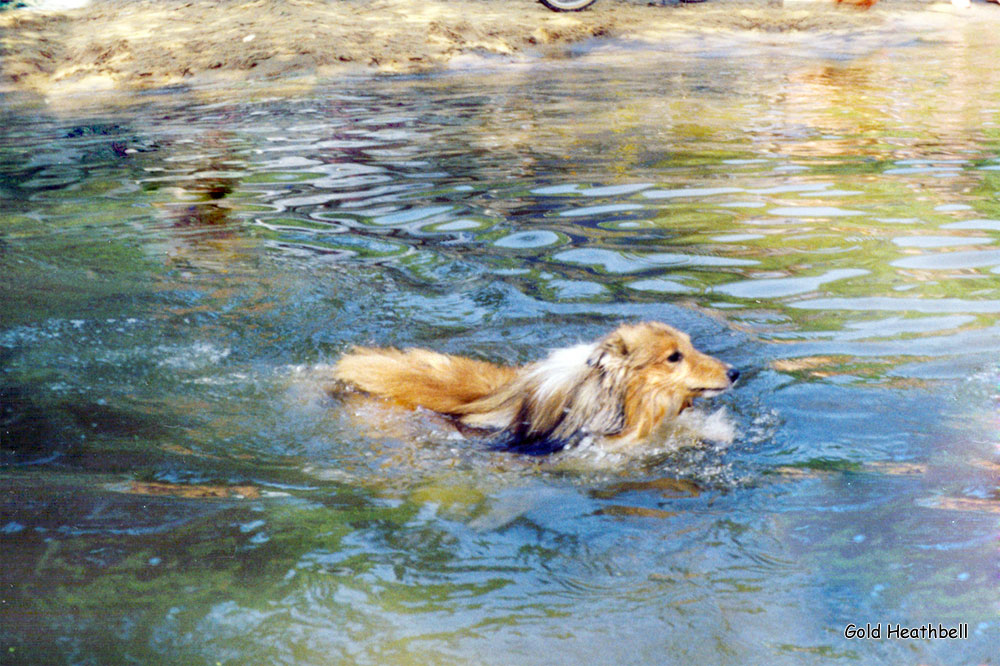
619, 390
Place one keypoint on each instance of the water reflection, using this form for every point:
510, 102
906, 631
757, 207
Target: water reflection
177, 279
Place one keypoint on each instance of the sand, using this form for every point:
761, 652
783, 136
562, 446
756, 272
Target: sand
147, 44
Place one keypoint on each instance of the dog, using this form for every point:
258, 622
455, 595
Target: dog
619, 390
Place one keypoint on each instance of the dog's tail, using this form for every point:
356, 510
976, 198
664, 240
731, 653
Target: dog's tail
419, 378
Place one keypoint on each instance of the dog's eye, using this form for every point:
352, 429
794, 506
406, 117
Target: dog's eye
675, 357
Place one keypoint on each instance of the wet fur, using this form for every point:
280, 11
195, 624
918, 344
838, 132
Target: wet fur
619, 389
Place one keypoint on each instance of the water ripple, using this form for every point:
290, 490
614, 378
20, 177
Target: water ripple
613, 261
891, 304
813, 211
780, 287
951, 260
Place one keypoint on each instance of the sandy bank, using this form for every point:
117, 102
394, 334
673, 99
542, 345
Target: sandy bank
141, 44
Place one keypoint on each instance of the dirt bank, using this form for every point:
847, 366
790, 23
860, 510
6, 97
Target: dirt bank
141, 44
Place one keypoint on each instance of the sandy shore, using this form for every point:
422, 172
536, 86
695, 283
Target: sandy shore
142, 44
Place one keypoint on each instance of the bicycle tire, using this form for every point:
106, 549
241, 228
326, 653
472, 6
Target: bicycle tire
567, 5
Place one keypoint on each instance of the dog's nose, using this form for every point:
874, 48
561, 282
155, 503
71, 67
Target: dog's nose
733, 374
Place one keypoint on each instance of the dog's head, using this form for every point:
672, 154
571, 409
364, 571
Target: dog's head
659, 371
621, 388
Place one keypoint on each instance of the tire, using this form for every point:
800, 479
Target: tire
567, 5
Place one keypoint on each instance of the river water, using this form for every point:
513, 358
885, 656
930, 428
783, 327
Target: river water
178, 275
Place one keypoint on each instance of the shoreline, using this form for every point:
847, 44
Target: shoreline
140, 45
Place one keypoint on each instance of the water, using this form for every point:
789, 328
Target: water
177, 276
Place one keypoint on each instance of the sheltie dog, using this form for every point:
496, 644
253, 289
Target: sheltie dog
619, 390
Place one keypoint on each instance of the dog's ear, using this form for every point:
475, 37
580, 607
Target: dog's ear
634, 345
611, 350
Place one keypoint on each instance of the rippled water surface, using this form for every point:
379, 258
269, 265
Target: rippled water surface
177, 275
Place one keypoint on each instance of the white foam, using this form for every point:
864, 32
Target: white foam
716, 427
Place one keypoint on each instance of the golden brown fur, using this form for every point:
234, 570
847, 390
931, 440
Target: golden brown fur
619, 389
